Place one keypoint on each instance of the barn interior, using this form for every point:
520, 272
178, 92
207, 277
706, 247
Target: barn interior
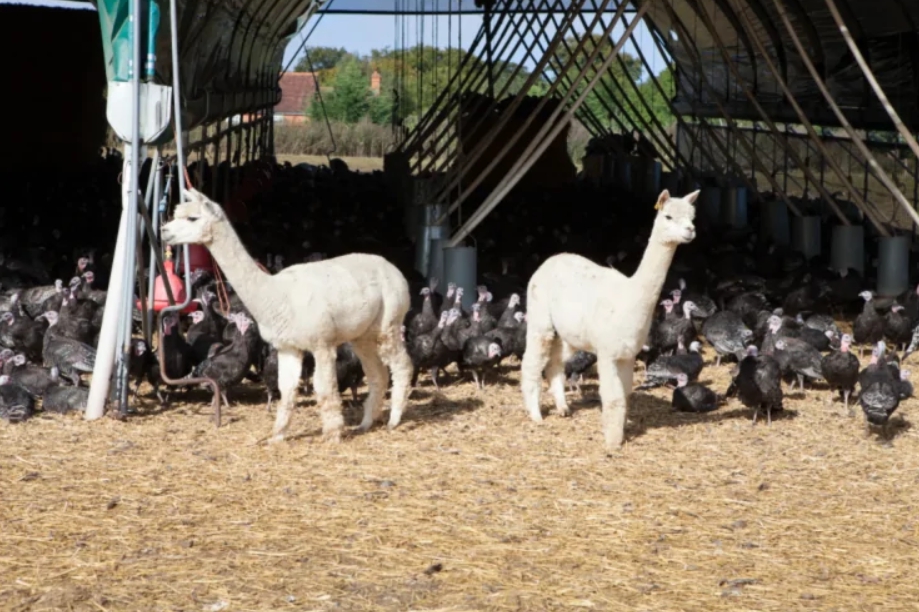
795, 122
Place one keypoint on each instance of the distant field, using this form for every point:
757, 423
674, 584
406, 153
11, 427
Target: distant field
361, 164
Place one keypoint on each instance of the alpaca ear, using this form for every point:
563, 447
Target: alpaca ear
691, 198
662, 199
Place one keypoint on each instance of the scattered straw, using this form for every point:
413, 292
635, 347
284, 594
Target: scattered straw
467, 506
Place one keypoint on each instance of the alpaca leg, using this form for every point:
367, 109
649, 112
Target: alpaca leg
535, 357
615, 388
325, 382
290, 363
555, 374
375, 372
392, 350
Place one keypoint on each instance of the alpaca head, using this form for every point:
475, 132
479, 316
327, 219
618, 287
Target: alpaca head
675, 217
194, 221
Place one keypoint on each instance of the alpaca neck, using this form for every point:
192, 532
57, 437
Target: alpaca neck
242, 272
648, 280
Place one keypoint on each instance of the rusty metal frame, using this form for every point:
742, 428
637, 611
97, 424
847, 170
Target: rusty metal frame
551, 128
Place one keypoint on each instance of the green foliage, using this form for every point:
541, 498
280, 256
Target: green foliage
414, 78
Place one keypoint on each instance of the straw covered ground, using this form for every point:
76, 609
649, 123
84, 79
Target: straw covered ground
466, 506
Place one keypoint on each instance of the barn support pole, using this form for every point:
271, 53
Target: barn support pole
744, 86
467, 159
467, 162
856, 140
734, 130
542, 140
869, 76
113, 319
808, 126
512, 108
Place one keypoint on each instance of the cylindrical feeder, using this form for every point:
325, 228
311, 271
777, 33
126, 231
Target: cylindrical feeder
647, 176
593, 167
805, 235
710, 207
893, 265
624, 172
671, 182
734, 206
460, 268
436, 265
428, 231
774, 222
848, 248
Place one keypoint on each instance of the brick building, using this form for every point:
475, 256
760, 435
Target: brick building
297, 89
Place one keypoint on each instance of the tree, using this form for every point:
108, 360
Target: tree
350, 100
325, 60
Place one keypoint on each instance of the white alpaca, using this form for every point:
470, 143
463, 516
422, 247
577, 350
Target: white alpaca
357, 298
571, 300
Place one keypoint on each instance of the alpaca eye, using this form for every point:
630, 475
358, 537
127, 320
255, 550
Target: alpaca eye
193, 219
668, 217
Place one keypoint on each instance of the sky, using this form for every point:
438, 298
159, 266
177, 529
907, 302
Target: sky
363, 33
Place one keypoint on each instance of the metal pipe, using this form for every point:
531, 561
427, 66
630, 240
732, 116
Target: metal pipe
869, 75
530, 156
160, 203
869, 158
177, 101
808, 126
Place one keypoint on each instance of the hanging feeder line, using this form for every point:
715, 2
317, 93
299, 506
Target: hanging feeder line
510, 111
789, 151
325, 114
469, 80
548, 124
753, 156
868, 157
530, 156
433, 160
443, 157
808, 126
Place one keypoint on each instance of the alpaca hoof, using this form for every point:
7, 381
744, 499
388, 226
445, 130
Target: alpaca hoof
563, 412
276, 438
363, 427
391, 425
536, 417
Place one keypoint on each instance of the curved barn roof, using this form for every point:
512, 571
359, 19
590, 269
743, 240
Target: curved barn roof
232, 51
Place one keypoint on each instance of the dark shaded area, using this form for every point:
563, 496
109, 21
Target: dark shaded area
54, 84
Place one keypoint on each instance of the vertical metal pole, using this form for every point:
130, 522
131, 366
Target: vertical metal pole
156, 210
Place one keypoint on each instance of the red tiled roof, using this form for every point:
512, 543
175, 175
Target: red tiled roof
296, 89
